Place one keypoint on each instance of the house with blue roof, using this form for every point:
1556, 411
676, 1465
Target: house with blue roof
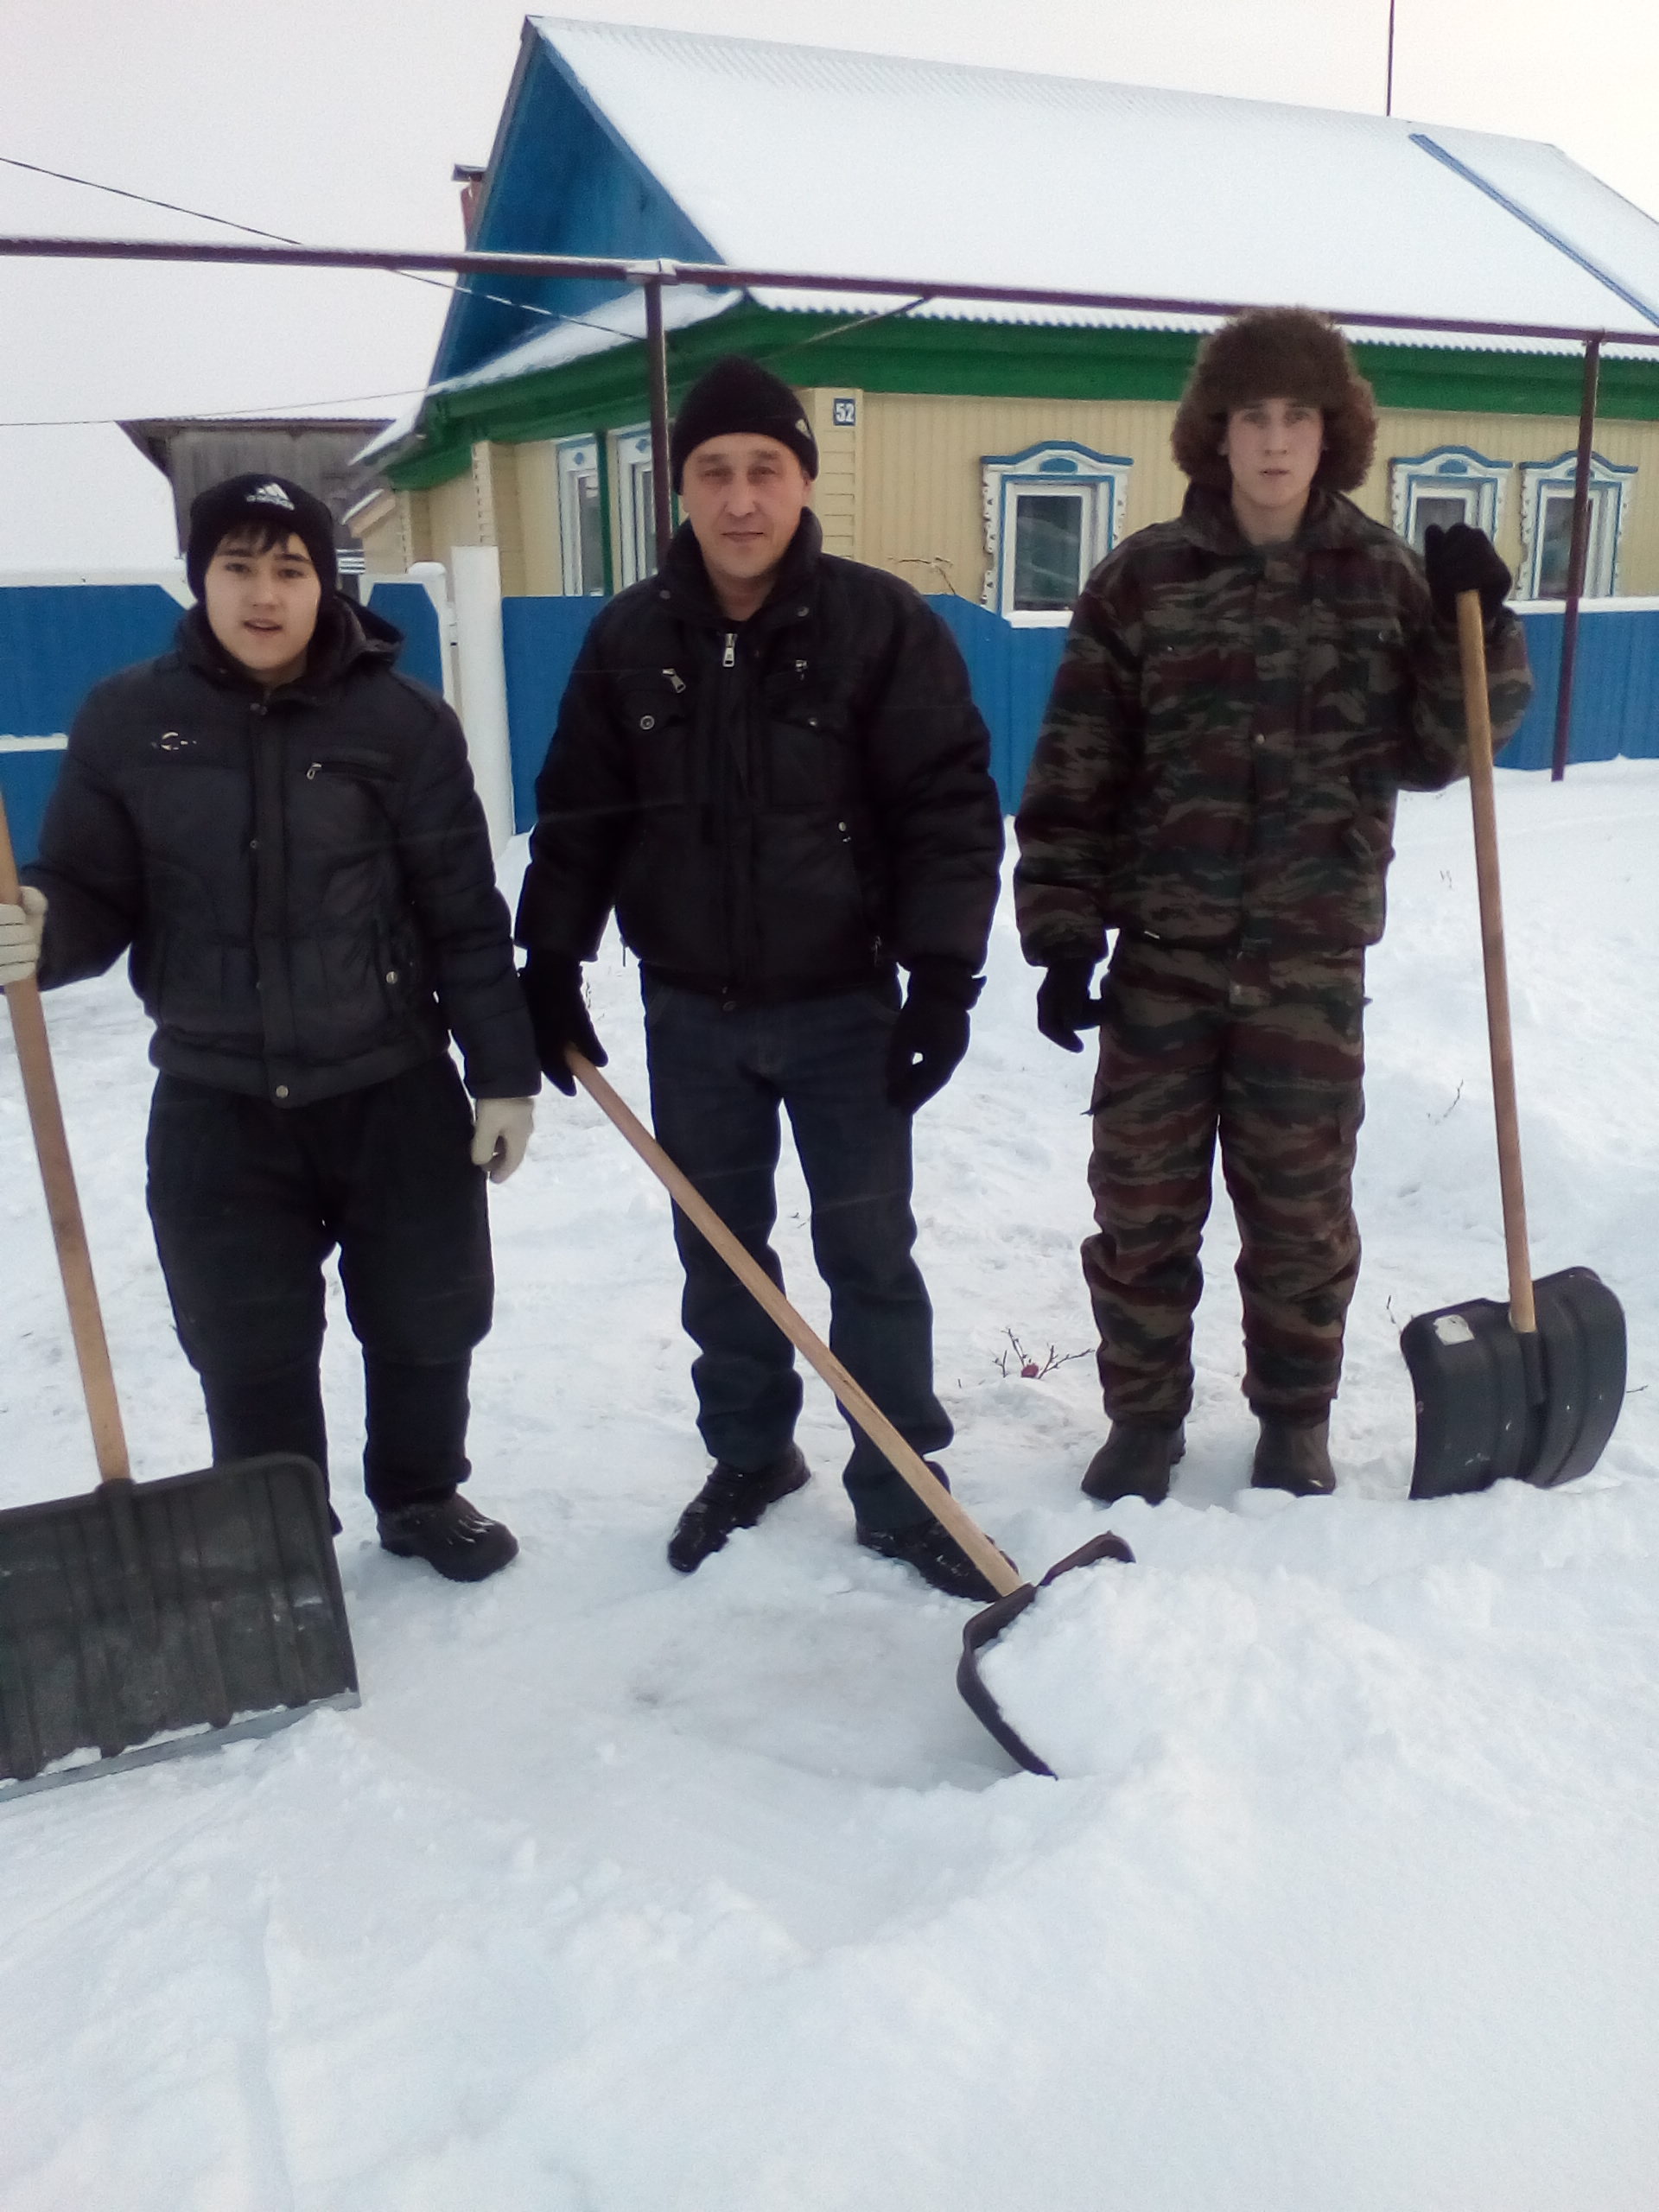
994, 453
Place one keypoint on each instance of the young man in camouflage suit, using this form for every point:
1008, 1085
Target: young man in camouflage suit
1244, 692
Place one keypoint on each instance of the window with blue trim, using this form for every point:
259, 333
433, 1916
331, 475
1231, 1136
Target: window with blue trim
582, 528
1547, 488
1052, 514
1448, 485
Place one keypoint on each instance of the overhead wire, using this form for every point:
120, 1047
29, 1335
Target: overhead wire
410, 276
276, 238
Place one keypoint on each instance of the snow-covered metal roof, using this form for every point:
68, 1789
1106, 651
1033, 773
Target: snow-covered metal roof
806, 159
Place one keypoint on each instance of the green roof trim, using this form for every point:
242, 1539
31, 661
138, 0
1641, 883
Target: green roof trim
976, 360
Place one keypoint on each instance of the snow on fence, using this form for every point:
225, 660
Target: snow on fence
505, 661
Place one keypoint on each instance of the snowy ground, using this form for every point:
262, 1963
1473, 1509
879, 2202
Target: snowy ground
626, 1893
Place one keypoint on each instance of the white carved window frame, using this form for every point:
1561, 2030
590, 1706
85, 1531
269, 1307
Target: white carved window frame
1612, 485
578, 465
633, 515
1060, 464
1443, 473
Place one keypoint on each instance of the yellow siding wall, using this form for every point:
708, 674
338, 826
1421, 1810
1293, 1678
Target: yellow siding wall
537, 467
1526, 438
920, 511
836, 495
382, 532
457, 513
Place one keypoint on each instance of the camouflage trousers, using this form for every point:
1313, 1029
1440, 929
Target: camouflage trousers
1268, 1057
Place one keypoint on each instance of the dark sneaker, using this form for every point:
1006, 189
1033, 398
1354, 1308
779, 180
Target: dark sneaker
935, 1554
449, 1535
1134, 1461
1294, 1456
732, 1497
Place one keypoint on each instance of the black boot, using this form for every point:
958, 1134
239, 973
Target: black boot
1134, 1461
732, 1497
933, 1552
1294, 1456
449, 1535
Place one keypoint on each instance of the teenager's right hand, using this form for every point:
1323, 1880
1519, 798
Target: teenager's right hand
558, 1015
21, 928
1064, 1005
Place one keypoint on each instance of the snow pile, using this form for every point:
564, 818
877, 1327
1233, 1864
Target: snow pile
629, 1893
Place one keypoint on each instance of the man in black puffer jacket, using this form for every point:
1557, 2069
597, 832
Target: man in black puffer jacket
283, 833
768, 762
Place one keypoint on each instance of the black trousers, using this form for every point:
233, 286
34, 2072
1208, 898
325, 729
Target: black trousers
248, 1199
719, 1083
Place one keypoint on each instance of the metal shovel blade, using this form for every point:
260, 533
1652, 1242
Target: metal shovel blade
144, 1619
986, 1626
1493, 1403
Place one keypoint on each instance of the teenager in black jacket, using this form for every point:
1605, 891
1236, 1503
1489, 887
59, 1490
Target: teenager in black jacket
284, 834
768, 762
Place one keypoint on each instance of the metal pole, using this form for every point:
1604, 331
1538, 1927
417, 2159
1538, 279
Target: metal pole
657, 361
1387, 104
1577, 553
714, 275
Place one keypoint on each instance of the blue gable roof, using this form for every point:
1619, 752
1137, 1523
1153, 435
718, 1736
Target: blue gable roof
560, 180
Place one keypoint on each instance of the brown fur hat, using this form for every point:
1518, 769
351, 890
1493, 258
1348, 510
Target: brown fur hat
1276, 353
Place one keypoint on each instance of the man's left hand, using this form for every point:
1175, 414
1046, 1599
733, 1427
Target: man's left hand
930, 1035
1464, 559
501, 1130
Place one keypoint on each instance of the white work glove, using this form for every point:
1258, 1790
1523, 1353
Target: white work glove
500, 1133
20, 937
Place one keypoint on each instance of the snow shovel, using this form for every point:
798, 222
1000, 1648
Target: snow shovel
141, 1620
1531, 1390
1014, 1592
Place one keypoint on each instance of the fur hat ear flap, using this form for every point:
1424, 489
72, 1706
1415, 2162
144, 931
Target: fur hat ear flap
1276, 353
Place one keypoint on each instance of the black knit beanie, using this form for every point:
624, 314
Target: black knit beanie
737, 394
272, 506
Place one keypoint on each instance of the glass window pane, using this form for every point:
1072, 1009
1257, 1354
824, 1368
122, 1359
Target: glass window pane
1556, 536
589, 564
1047, 552
645, 520
1441, 507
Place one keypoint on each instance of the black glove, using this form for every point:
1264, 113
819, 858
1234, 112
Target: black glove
1064, 1005
552, 986
1464, 559
931, 1034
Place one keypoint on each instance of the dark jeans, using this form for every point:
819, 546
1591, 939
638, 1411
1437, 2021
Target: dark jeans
248, 1200
718, 1079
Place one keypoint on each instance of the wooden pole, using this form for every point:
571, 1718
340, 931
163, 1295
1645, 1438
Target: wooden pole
63, 1201
1578, 555
1387, 104
1477, 717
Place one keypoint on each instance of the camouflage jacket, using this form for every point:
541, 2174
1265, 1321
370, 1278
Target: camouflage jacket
1229, 730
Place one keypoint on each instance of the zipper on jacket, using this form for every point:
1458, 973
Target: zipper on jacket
675, 679
729, 659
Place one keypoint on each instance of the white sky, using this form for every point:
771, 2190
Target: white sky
337, 121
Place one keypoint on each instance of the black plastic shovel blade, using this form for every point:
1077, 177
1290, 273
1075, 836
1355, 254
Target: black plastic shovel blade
1492, 1404
145, 1619
985, 1628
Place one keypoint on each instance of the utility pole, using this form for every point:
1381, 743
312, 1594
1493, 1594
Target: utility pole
1387, 101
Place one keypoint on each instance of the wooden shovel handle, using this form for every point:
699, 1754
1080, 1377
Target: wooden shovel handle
1478, 715
68, 1230
854, 1400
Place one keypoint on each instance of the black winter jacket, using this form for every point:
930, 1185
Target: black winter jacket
302, 875
777, 809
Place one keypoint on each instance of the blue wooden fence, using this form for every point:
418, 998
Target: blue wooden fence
58, 639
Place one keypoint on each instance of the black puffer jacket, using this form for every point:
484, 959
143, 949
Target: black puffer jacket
777, 809
302, 875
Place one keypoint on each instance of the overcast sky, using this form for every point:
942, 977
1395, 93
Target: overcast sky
338, 121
